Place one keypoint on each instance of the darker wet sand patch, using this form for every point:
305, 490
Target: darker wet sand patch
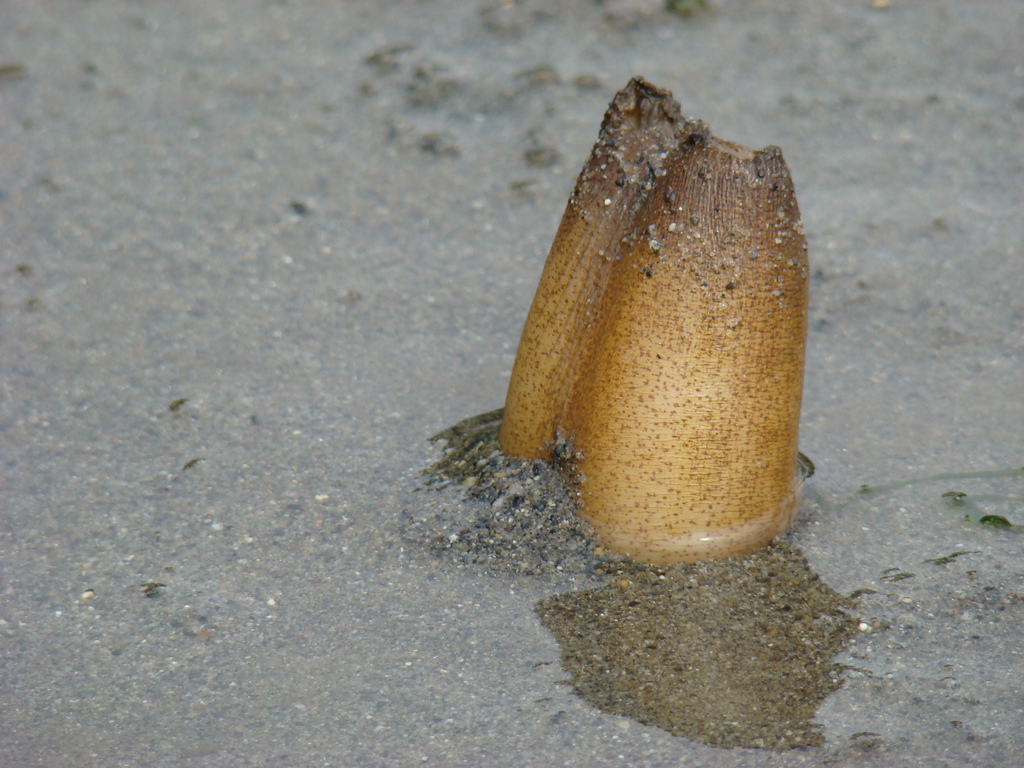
731, 653
736, 652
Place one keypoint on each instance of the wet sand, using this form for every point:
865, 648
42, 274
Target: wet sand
252, 256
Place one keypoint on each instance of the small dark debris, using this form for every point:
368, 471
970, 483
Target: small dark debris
995, 521
191, 463
863, 591
385, 60
952, 556
890, 575
429, 88
866, 741
804, 465
350, 297
542, 157
543, 74
176, 405
523, 188
439, 145
152, 588
685, 8
13, 71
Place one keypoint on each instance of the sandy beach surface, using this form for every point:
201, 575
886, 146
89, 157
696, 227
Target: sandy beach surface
254, 254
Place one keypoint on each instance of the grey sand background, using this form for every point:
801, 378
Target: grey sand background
330, 255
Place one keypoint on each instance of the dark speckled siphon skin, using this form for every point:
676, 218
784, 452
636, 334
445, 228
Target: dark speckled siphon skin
665, 343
